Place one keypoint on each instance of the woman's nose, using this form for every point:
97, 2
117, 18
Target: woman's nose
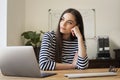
63, 23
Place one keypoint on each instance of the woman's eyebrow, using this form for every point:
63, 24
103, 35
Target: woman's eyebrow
67, 20
71, 21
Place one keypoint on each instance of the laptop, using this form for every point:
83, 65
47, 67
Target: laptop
20, 61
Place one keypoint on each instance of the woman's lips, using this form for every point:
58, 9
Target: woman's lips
62, 28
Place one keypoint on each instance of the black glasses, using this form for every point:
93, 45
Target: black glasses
113, 69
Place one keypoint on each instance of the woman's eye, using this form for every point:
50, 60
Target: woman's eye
70, 22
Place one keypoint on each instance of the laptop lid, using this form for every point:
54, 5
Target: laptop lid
20, 61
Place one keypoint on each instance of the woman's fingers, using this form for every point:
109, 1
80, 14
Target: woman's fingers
72, 32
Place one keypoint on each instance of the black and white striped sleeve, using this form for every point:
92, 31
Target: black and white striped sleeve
82, 63
46, 57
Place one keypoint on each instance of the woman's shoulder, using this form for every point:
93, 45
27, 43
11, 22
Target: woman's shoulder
51, 33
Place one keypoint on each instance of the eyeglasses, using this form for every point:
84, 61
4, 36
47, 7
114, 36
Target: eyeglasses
113, 69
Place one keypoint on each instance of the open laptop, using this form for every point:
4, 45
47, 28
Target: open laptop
20, 61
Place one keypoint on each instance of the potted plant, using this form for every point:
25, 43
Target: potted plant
32, 38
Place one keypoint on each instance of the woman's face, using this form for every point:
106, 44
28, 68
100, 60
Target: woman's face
67, 23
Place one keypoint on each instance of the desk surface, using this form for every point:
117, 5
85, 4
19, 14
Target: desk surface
60, 75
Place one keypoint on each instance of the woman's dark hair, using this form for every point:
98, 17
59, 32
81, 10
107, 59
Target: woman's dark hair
59, 38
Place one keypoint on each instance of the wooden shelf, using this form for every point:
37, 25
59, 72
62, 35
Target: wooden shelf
103, 63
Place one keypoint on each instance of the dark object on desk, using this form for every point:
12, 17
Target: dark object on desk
103, 63
113, 69
117, 54
103, 51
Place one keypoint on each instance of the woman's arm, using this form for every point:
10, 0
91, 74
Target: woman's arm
61, 66
81, 45
81, 48
46, 57
81, 60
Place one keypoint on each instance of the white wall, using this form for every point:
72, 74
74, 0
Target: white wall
107, 18
3, 23
15, 21
36, 18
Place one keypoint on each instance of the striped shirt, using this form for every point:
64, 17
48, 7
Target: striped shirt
48, 50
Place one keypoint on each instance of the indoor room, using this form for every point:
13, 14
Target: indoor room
101, 23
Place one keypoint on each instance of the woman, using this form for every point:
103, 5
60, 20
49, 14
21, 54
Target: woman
65, 48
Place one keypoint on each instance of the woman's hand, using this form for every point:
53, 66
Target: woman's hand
76, 32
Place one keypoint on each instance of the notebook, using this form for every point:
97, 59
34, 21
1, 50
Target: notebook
99, 74
20, 61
